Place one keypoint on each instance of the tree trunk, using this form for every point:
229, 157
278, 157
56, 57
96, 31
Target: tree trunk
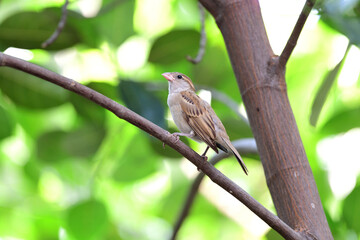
262, 84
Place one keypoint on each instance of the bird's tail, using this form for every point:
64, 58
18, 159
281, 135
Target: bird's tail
237, 155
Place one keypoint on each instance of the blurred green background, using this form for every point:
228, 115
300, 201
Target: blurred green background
71, 170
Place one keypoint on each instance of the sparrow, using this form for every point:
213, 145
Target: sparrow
195, 118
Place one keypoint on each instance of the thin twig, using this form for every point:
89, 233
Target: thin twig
202, 46
59, 28
244, 146
124, 113
291, 43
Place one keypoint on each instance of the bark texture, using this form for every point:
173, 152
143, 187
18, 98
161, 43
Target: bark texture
261, 80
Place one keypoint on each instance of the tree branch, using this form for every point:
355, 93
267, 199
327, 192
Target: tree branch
291, 43
124, 113
202, 46
264, 94
59, 28
244, 146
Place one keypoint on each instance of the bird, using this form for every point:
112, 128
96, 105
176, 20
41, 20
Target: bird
195, 118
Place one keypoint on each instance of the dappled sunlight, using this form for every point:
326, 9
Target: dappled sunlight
20, 53
51, 187
340, 156
70, 169
16, 148
350, 72
206, 95
153, 17
280, 17
252, 226
132, 54
87, 65
89, 8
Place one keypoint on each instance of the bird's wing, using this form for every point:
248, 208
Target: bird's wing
229, 145
198, 118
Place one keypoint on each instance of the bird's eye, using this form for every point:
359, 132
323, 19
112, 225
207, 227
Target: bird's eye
179, 76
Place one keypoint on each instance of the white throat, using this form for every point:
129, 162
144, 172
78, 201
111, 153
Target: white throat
176, 87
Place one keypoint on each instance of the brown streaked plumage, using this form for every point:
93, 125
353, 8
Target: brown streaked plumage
195, 118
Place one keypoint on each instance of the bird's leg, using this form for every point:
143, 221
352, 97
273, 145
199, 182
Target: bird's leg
177, 134
204, 154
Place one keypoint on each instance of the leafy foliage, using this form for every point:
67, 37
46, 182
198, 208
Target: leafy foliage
174, 46
29, 91
142, 102
7, 124
344, 17
71, 170
29, 29
87, 220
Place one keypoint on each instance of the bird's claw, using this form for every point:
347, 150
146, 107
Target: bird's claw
176, 136
203, 157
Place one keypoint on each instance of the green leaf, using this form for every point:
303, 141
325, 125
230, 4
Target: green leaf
114, 22
174, 46
7, 124
273, 235
351, 209
85, 28
104, 88
324, 89
174, 200
237, 128
343, 17
29, 91
142, 102
48, 220
87, 220
74, 172
60, 145
342, 122
85, 141
349, 26
49, 146
207, 73
138, 161
90, 111
30, 29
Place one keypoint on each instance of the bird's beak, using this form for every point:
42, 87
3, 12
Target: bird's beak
168, 76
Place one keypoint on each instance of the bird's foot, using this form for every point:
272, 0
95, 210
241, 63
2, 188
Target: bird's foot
204, 157
204, 154
176, 136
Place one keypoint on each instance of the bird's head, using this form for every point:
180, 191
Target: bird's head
178, 82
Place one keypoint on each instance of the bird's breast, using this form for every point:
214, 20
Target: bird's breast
178, 116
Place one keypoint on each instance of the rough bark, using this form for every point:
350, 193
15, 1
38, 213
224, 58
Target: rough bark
261, 80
